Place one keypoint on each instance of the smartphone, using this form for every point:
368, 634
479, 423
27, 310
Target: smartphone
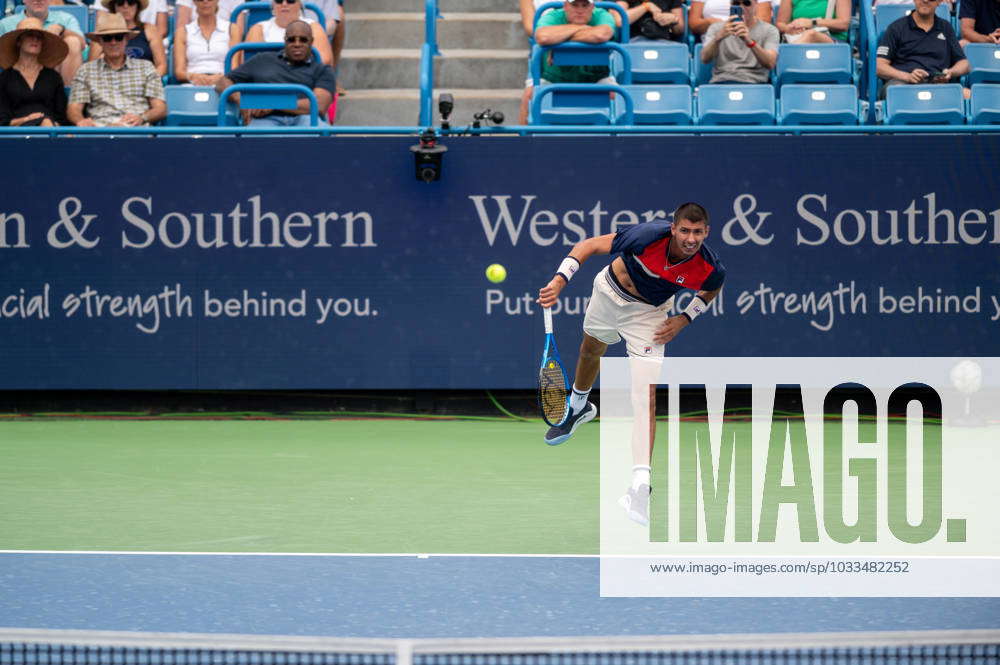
935, 75
736, 11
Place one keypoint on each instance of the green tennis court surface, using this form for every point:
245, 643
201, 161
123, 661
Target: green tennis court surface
348, 486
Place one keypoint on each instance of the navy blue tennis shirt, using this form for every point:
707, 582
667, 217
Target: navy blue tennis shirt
908, 47
985, 13
275, 68
644, 249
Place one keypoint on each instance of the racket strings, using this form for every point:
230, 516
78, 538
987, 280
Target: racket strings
553, 392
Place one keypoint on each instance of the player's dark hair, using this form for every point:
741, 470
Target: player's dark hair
691, 212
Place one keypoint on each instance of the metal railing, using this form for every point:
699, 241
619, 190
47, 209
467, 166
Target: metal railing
427, 53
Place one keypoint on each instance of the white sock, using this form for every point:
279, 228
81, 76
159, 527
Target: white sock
640, 476
578, 399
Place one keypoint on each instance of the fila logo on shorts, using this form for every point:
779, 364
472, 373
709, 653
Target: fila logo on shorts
648, 350
680, 279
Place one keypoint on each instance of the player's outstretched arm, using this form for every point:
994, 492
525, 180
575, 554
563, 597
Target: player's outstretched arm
581, 251
674, 324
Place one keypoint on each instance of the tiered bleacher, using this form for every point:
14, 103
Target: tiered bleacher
812, 84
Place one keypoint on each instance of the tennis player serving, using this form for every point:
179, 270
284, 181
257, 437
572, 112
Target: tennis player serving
653, 262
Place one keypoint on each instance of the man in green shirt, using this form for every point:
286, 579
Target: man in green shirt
577, 21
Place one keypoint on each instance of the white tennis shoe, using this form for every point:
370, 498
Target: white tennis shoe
636, 504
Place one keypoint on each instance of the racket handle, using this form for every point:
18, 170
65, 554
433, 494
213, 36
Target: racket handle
547, 313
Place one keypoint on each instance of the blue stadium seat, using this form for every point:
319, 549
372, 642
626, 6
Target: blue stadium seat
191, 105
814, 63
984, 107
701, 72
579, 104
576, 104
724, 104
984, 63
665, 62
258, 11
659, 104
265, 96
886, 14
940, 104
819, 105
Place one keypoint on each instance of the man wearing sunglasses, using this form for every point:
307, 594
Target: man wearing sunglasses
743, 48
154, 12
61, 24
115, 91
293, 64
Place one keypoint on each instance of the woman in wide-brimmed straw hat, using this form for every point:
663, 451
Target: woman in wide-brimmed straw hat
146, 43
31, 91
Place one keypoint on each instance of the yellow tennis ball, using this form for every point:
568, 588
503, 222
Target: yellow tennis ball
496, 273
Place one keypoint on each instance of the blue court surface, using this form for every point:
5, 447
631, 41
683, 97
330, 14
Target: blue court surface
407, 596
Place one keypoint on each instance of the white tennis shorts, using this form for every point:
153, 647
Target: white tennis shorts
613, 315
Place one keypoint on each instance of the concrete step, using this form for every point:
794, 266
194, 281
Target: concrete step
443, 6
455, 68
401, 107
484, 30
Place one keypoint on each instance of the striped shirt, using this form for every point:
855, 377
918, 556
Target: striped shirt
111, 93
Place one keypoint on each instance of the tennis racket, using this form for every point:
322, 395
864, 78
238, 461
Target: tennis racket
553, 386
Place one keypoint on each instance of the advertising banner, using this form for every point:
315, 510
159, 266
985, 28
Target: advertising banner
227, 263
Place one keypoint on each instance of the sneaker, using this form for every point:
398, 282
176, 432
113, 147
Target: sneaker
557, 435
636, 504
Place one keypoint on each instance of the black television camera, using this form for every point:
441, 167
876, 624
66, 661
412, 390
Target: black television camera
428, 156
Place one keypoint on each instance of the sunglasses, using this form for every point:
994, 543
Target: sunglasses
122, 3
112, 38
745, 3
297, 40
281, 2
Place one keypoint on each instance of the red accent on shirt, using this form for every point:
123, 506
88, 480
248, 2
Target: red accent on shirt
693, 272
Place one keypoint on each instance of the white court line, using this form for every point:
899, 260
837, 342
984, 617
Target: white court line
419, 555
427, 555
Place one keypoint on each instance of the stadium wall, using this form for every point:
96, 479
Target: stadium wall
291, 263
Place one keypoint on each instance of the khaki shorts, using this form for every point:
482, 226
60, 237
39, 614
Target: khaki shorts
611, 316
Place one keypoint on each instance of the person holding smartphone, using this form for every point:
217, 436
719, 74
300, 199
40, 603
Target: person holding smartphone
920, 48
743, 48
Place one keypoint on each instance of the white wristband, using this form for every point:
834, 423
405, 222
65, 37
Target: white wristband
695, 308
568, 268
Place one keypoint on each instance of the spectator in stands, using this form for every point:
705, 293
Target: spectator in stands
294, 64
743, 50
185, 10
814, 21
920, 48
116, 90
283, 13
155, 13
61, 24
32, 94
703, 14
654, 20
980, 21
577, 21
528, 9
200, 47
333, 11
147, 44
